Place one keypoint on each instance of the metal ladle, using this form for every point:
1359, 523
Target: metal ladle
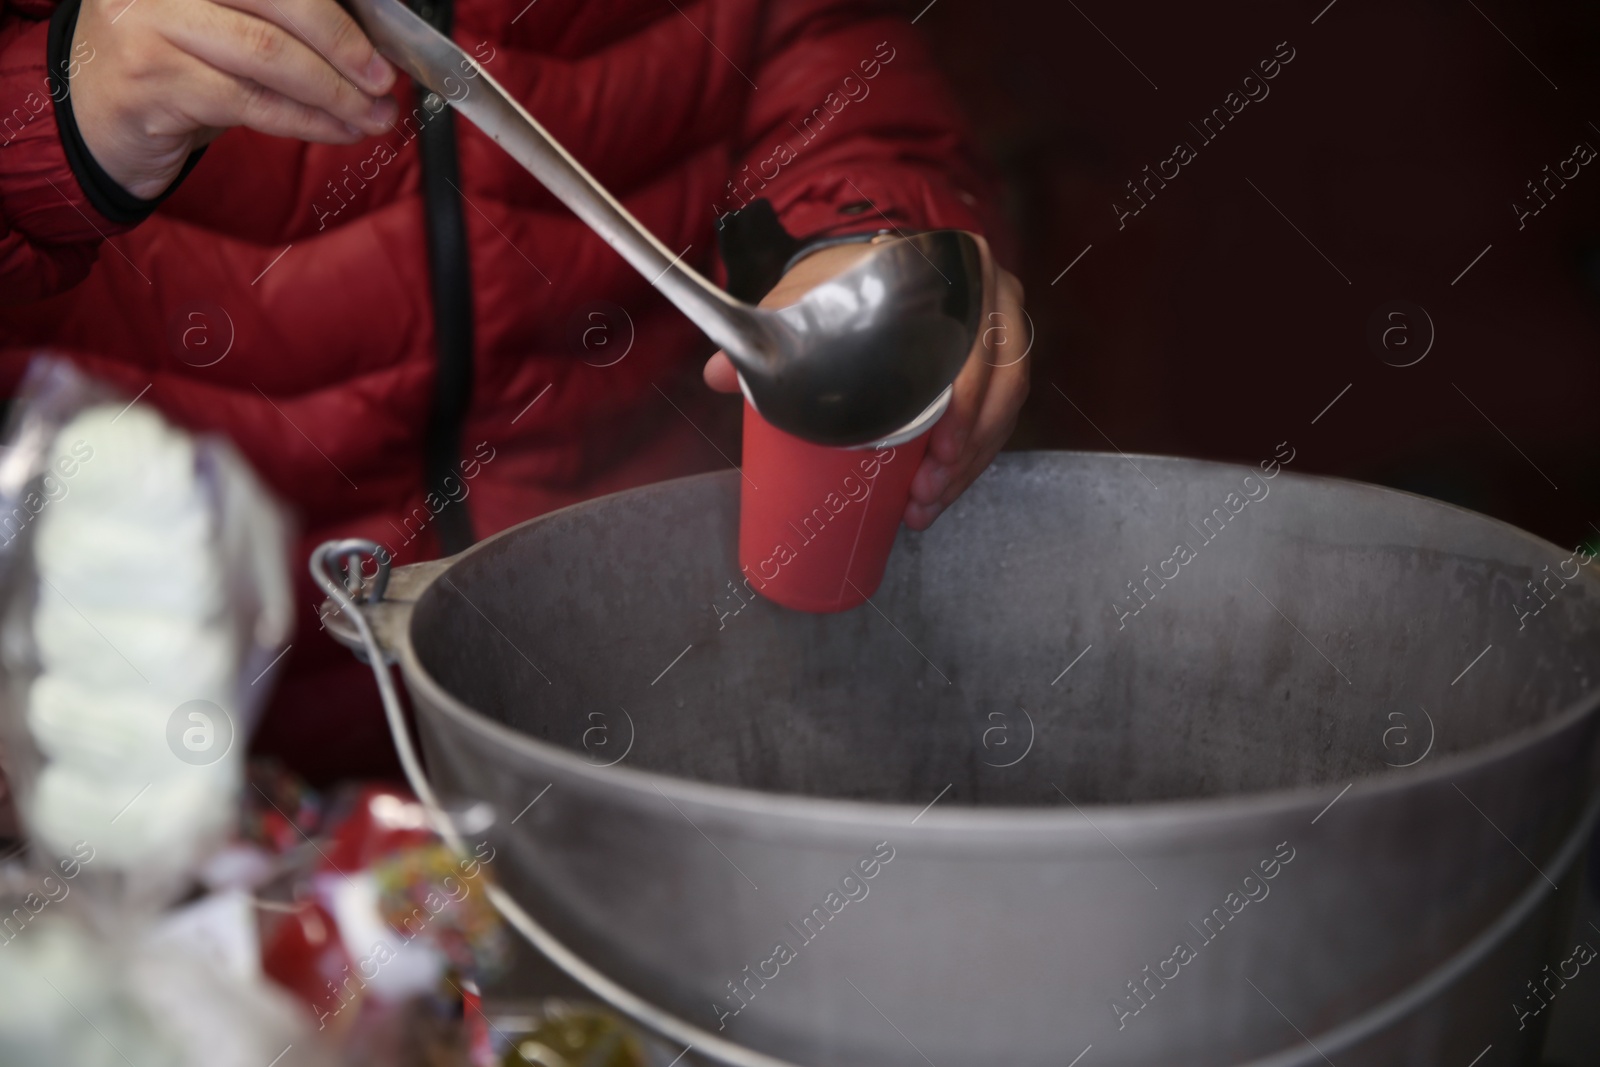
867, 353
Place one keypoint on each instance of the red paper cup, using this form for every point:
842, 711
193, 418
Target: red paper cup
816, 524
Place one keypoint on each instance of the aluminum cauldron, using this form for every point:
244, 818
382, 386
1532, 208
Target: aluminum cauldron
1129, 761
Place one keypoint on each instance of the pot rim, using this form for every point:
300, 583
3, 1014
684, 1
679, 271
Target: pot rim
1155, 818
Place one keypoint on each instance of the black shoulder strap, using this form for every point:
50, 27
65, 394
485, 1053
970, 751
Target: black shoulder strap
755, 247
451, 268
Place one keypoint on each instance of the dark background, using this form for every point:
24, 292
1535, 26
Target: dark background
1396, 142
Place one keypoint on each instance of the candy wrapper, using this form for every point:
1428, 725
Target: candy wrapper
380, 929
559, 1033
144, 589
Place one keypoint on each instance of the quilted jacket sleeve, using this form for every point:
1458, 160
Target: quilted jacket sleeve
49, 233
851, 127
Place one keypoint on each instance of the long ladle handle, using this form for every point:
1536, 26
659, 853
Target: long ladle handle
436, 62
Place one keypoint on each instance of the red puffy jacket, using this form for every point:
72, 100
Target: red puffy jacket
281, 294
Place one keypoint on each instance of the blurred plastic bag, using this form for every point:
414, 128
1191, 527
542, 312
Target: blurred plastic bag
143, 591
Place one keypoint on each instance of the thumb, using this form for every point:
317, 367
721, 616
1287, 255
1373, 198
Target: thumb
720, 375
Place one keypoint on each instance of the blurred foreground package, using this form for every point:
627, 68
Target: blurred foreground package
170, 904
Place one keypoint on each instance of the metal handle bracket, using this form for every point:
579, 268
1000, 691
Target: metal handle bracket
360, 570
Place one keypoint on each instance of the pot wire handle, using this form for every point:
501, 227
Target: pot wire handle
337, 565
332, 576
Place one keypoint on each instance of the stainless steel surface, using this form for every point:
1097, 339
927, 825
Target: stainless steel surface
853, 361
1219, 727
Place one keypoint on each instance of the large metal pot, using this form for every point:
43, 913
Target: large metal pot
1312, 800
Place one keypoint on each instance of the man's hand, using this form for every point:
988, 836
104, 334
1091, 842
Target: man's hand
989, 391
168, 76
